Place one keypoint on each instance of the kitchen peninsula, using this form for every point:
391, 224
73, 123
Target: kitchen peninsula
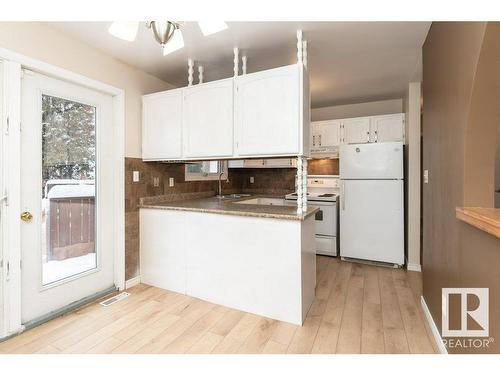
259, 258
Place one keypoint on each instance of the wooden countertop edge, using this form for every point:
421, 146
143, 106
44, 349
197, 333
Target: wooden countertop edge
485, 219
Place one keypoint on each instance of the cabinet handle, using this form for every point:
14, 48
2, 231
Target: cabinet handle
368, 137
320, 139
314, 140
376, 136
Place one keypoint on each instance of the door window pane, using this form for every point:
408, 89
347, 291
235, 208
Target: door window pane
68, 188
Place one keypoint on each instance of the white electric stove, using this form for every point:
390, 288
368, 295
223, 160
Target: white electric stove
323, 191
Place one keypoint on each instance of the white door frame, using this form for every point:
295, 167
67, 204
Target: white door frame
10, 168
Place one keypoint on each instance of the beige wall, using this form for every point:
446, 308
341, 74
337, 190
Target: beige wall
45, 43
460, 62
381, 107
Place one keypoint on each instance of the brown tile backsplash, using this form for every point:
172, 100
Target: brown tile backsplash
266, 181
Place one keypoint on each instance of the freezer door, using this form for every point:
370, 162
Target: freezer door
371, 220
372, 161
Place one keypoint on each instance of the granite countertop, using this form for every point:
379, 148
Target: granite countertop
230, 207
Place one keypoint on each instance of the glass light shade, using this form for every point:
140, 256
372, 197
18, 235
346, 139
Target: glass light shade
211, 27
124, 30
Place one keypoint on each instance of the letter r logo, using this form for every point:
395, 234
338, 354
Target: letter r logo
470, 314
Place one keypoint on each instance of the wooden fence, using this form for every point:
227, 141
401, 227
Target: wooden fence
71, 227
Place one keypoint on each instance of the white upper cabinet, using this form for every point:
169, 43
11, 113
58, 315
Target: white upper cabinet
269, 112
387, 128
162, 125
356, 130
263, 114
325, 136
208, 120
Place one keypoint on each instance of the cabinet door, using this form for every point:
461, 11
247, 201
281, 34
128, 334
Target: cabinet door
389, 128
267, 112
280, 163
356, 130
162, 125
208, 120
315, 132
329, 134
254, 163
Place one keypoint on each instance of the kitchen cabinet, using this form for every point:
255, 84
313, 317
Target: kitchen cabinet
325, 137
162, 125
271, 112
356, 130
264, 163
387, 128
280, 163
262, 114
208, 120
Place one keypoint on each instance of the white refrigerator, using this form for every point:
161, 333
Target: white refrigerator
372, 202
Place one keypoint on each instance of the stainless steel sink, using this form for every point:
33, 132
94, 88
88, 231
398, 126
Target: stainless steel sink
234, 196
265, 201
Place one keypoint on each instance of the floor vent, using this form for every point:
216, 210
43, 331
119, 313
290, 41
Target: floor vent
115, 299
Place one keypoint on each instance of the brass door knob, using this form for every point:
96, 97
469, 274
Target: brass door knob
26, 216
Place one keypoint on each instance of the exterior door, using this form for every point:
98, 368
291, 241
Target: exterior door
356, 130
66, 179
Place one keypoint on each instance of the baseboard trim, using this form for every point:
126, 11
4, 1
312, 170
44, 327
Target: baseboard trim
434, 329
132, 282
414, 267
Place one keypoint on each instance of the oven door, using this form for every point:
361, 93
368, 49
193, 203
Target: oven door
326, 218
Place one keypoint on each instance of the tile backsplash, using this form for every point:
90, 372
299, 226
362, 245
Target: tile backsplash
279, 181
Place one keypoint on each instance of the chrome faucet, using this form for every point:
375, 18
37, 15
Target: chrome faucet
221, 172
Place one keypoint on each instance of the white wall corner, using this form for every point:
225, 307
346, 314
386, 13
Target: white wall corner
132, 282
433, 327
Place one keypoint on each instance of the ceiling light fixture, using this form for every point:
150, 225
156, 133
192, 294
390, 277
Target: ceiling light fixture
166, 33
211, 27
175, 43
124, 30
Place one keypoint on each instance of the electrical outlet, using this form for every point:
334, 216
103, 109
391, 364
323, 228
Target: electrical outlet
171, 182
135, 176
426, 176
252, 180
156, 181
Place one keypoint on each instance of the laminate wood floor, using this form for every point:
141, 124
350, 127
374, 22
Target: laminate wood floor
358, 309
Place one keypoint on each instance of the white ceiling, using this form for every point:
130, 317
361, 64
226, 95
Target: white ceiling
349, 62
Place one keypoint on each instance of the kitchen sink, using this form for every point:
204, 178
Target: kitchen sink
234, 196
265, 201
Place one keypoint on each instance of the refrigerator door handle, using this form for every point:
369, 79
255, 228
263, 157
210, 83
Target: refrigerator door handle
342, 195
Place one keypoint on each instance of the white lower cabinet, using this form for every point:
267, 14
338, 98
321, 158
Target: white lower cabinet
259, 265
162, 255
